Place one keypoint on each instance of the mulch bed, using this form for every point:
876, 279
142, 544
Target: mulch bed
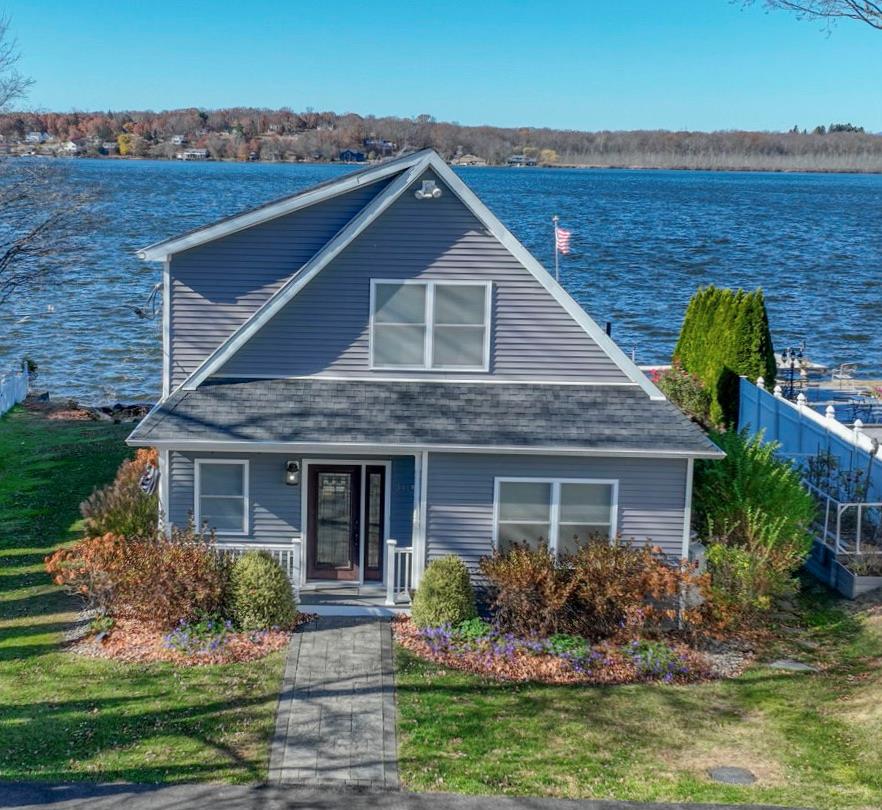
133, 642
611, 664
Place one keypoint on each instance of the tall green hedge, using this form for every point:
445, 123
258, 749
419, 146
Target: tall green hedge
725, 335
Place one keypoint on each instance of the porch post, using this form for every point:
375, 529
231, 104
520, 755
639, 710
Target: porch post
164, 491
420, 477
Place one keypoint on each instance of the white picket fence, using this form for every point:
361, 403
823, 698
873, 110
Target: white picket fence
13, 389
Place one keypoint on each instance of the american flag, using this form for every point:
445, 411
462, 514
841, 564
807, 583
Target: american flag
562, 240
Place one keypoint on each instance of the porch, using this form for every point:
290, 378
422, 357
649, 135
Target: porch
385, 599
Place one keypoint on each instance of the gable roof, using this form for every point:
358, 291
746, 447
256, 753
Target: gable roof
408, 169
278, 415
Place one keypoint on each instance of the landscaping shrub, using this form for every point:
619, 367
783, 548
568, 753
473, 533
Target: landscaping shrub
756, 517
604, 590
445, 594
122, 508
655, 659
260, 594
686, 391
725, 334
90, 569
158, 580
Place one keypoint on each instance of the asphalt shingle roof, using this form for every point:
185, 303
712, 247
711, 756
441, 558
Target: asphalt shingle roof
316, 411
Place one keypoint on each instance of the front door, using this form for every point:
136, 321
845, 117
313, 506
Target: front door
334, 521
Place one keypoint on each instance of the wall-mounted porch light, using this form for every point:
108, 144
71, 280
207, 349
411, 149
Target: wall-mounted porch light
292, 473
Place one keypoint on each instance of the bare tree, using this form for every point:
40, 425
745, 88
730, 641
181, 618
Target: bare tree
39, 207
832, 10
13, 86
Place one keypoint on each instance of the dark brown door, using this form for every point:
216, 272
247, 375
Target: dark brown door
333, 528
374, 522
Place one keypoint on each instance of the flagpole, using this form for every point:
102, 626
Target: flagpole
555, 219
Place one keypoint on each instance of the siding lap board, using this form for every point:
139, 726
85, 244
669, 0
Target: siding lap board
652, 495
324, 330
215, 287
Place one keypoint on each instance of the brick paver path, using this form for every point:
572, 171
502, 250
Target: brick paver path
336, 717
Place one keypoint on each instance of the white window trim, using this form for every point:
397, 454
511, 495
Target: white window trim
554, 512
246, 500
429, 323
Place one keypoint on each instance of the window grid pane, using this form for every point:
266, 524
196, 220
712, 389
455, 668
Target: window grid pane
400, 303
221, 479
525, 502
458, 346
460, 304
399, 345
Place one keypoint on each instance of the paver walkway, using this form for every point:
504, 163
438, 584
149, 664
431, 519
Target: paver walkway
336, 717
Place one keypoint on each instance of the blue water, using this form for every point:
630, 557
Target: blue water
643, 241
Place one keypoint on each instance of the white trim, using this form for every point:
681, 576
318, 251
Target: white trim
408, 449
302, 277
162, 250
687, 509
428, 323
246, 500
422, 161
554, 504
319, 461
166, 328
421, 529
164, 505
441, 378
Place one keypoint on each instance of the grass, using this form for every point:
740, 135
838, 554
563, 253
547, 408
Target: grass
811, 739
66, 717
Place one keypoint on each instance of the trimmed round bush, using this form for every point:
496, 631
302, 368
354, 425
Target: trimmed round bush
260, 594
445, 594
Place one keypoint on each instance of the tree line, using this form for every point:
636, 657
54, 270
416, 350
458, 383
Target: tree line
250, 133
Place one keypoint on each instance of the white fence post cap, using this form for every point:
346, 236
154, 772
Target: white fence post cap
800, 399
858, 426
830, 412
761, 383
778, 392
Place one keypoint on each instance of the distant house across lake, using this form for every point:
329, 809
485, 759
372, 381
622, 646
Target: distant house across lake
469, 160
521, 160
352, 156
193, 154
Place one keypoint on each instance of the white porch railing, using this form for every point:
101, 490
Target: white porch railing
399, 572
13, 389
287, 555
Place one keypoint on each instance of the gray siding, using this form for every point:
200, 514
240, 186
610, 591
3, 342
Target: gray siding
325, 329
652, 496
275, 507
215, 287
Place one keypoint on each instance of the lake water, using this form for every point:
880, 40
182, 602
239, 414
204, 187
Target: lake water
642, 241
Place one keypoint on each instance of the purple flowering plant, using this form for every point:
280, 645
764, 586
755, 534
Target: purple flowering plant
655, 659
200, 637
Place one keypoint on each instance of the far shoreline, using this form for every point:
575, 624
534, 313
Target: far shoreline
580, 166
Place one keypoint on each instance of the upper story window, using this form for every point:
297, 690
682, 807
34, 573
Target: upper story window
430, 325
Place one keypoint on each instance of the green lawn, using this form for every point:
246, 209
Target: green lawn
812, 739
66, 717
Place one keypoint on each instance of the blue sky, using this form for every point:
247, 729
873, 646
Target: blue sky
594, 64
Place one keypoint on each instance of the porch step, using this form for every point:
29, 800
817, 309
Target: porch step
375, 611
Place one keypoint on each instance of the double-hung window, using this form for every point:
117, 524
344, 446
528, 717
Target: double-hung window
430, 325
221, 495
561, 514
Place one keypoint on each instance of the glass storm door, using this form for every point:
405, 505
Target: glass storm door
334, 522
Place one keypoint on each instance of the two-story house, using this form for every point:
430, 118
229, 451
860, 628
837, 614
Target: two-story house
374, 373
